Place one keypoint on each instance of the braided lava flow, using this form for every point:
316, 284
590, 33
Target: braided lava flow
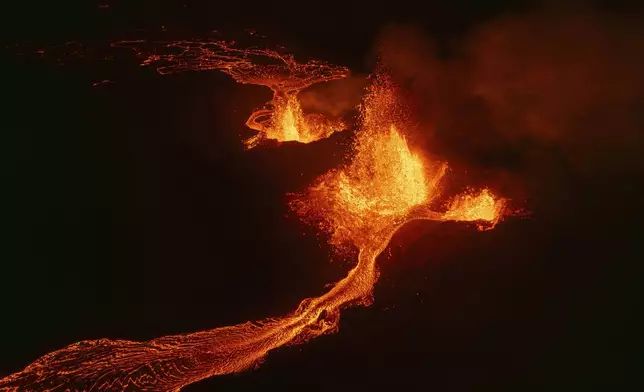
362, 204
282, 118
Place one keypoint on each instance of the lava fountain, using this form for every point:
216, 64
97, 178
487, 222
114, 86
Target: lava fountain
362, 204
282, 118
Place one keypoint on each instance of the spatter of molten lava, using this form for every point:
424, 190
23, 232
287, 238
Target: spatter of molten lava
282, 118
383, 181
484, 207
384, 186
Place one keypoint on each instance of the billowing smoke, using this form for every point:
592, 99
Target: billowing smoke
570, 84
336, 98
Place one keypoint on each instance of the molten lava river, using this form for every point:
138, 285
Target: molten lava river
384, 185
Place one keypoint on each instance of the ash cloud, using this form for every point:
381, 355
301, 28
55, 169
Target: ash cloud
561, 84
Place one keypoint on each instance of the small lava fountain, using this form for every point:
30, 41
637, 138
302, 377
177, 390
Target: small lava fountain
282, 118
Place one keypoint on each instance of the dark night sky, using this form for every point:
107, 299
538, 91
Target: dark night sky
133, 212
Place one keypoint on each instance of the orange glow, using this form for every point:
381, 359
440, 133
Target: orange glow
289, 123
385, 185
483, 207
282, 118
383, 182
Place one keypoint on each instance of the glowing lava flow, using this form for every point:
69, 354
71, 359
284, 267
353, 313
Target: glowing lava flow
482, 207
362, 204
283, 118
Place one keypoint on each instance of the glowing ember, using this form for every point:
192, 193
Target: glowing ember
362, 204
282, 119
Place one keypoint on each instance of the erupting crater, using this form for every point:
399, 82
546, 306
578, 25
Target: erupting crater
282, 118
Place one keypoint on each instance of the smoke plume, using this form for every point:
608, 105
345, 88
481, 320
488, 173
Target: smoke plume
335, 98
569, 84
